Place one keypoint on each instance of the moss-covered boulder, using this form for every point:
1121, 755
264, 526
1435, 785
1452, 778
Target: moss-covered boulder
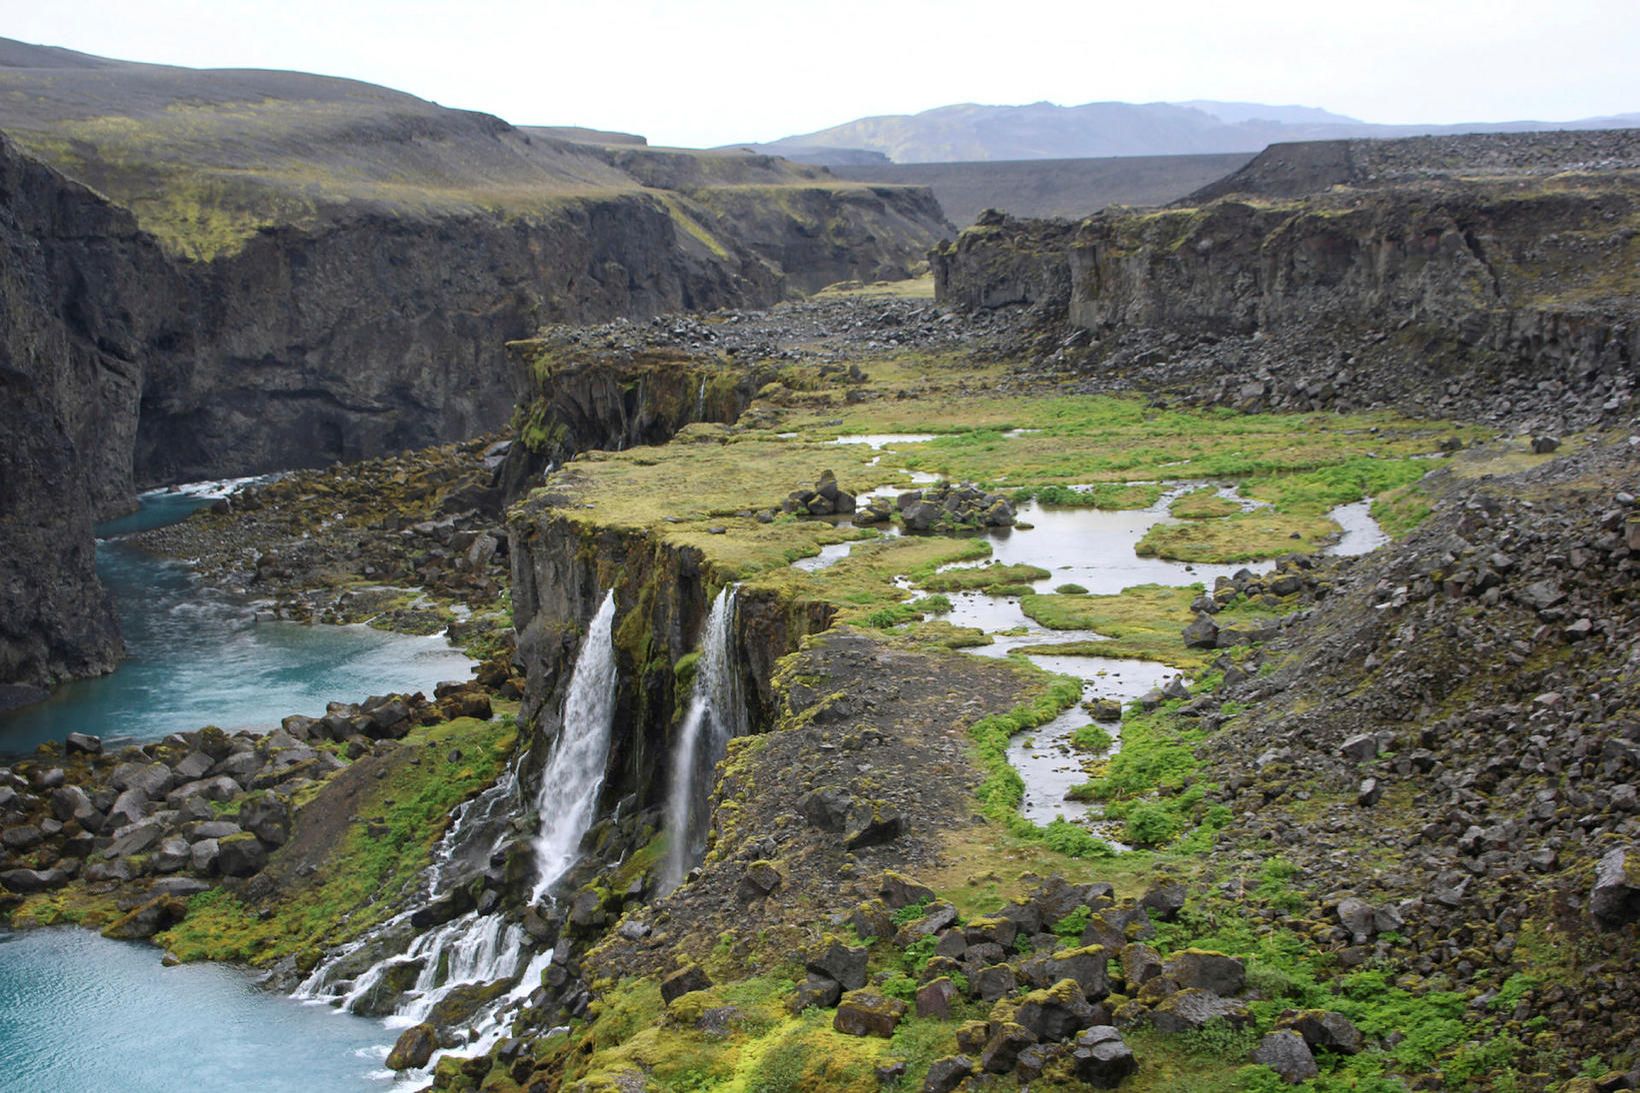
868, 1013
414, 1048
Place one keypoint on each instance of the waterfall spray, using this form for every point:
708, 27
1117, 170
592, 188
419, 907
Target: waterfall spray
717, 712
567, 800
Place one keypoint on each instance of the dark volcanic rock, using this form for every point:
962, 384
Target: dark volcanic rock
682, 981
415, 1046
1615, 898
868, 1013
1285, 1052
1101, 1058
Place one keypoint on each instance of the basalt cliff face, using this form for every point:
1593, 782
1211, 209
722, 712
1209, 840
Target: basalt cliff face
69, 346
1508, 258
227, 273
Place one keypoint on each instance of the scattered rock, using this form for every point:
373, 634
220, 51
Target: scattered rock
683, 981
414, 1047
1286, 1052
868, 1013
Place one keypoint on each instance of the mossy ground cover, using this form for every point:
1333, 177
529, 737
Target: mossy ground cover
1080, 439
1203, 504
1144, 622
706, 487
389, 842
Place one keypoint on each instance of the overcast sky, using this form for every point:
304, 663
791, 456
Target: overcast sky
708, 72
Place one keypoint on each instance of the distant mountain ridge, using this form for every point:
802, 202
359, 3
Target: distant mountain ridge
1043, 130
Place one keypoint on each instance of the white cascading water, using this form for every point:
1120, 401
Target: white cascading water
474, 948
567, 800
716, 714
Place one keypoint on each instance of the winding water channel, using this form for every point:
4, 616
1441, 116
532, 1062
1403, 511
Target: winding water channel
1093, 548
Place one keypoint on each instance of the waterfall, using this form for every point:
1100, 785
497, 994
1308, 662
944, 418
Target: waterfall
717, 712
479, 948
700, 401
567, 800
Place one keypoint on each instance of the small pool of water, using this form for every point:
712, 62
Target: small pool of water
1094, 548
198, 656
80, 1013
879, 441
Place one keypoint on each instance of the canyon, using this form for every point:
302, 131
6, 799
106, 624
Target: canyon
1189, 647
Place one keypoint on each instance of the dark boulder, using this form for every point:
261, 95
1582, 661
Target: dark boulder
241, 855
683, 981
760, 879
872, 824
868, 1013
1285, 1052
1056, 1013
845, 964
1208, 971
936, 997
268, 818
1101, 1058
945, 1075
898, 890
414, 1048
1003, 1049
1615, 897
82, 743
28, 881
149, 919
1326, 1029
1192, 1008
816, 990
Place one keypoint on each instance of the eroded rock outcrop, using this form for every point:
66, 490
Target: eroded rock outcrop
1475, 276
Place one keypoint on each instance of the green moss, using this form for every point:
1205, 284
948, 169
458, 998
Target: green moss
1245, 537
1399, 511
1092, 738
1202, 504
984, 578
1146, 621
1100, 495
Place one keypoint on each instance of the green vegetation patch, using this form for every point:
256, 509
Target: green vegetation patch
1402, 509
1245, 537
1143, 622
1089, 439
1100, 495
985, 578
1002, 789
1203, 504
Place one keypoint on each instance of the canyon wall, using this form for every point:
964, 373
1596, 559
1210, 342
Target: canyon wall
341, 340
73, 329
1528, 265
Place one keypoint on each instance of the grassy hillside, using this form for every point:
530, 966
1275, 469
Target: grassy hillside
206, 158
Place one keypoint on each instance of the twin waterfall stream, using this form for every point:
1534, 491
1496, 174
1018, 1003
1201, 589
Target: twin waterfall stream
477, 948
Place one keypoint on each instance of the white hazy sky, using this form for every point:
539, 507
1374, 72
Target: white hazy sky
707, 72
